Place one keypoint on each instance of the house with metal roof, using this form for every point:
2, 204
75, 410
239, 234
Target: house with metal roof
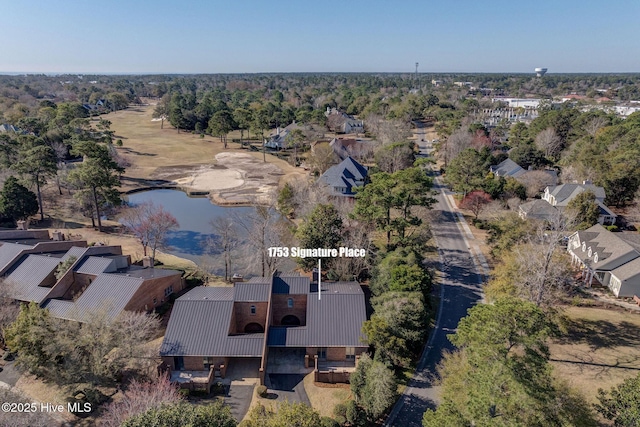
98, 278
342, 179
607, 258
211, 328
561, 195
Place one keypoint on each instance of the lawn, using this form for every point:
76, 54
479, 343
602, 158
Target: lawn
600, 349
325, 397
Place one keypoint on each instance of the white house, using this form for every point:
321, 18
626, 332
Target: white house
561, 195
607, 258
348, 124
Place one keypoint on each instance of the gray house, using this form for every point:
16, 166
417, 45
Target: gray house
611, 260
507, 168
343, 178
561, 195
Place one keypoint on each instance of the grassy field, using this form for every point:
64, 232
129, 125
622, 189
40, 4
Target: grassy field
600, 349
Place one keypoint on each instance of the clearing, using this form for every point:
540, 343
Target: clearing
600, 349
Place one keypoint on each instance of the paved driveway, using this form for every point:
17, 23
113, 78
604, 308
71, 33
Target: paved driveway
288, 387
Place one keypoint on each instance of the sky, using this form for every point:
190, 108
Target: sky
252, 36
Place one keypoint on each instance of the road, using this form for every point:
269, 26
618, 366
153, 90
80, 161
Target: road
460, 289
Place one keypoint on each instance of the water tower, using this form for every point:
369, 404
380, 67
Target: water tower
540, 72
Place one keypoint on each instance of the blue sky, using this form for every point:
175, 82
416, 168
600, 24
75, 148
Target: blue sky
237, 36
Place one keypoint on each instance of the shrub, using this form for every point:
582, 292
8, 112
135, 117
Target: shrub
119, 143
262, 390
183, 392
340, 410
328, 422
611, 227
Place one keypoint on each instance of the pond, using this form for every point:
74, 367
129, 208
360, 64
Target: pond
194, 215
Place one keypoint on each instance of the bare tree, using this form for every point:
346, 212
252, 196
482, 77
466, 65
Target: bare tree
388, 131
150, 223
536, 181
549, 142
543, 262
321, 158
595, 125
459, 140
225, 241
138, 398
262, 233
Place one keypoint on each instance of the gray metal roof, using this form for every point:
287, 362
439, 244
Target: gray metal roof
109, 292
75, 251
147, 272
8, 252
334, 321
508, 168
211, 293
291, 285
200, 327
95, 265
24, 280
252, 291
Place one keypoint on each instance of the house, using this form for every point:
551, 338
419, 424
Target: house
347, 123
607, 258
561, 195
278, 139
342, 179
97, 278
537, 209
213, 328
350, 147
507, 168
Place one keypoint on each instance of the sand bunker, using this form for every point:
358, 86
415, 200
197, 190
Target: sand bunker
207, 179
235, 178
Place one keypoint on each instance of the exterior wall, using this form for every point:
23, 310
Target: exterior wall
142, 300
629, 287
79, 283
243, 316
193, 363
280, 308
336, 353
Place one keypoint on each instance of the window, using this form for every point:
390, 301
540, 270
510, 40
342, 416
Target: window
322, 353
155, 301
351, 353
290, 303
253, 309
168, 291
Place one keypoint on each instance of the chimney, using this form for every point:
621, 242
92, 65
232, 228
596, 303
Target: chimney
147, 262
22, 225
57, 236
